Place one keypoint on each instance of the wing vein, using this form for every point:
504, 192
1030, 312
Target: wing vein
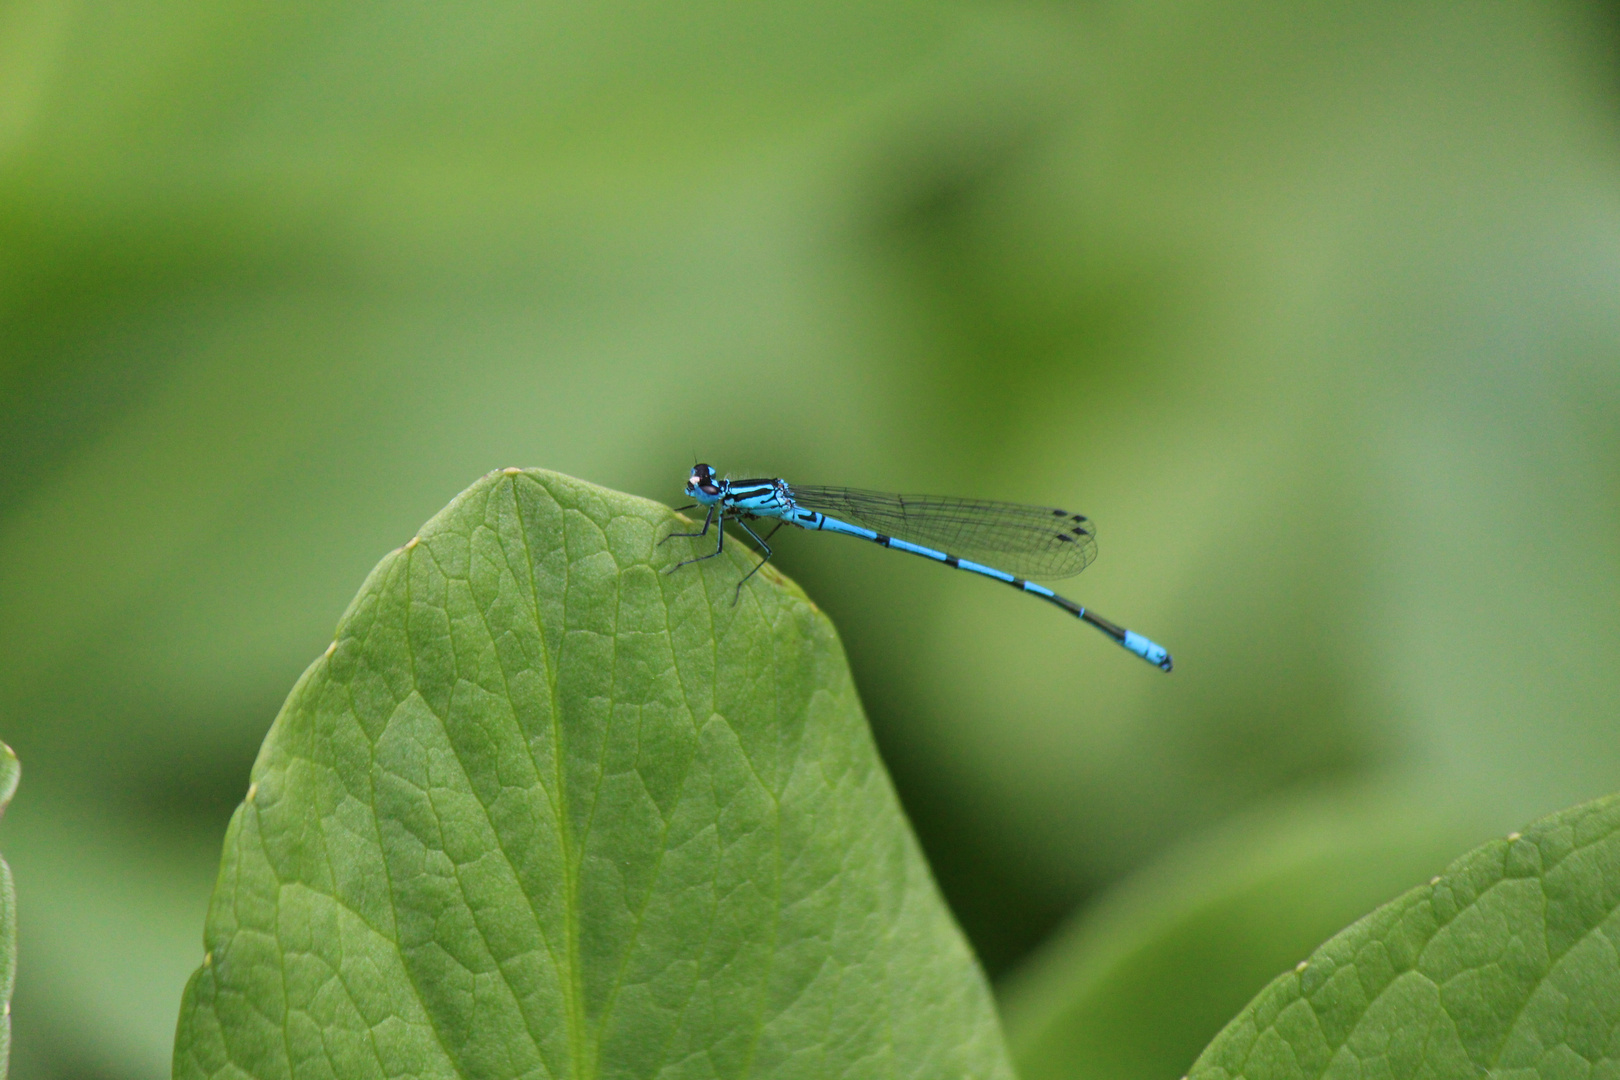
1030, 541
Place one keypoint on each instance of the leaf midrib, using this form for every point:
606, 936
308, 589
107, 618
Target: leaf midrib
579, 1055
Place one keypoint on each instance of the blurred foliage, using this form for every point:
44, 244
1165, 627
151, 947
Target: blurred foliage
1311, 307
1137, 984
1504, 964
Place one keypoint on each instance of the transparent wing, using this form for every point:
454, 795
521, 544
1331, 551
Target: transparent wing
1030, 541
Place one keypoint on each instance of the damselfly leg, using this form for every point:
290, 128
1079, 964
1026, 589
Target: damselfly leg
707, 521
762, 543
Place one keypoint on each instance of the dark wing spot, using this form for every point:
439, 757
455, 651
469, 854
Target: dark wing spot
1079, 517
1065, 536
1061, 513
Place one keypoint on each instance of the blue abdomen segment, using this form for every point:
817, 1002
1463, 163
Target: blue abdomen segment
1147, 650
763, 498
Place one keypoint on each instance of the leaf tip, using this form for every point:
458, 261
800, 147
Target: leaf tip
1512, 836
1301, 966
412, 542
10, 773
511, 470
253, 789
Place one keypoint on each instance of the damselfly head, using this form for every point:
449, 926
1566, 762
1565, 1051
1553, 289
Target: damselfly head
703, 486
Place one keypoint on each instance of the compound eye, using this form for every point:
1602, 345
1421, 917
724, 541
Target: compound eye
703, 480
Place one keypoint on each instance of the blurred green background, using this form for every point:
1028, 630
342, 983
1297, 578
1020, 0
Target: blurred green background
1315, 308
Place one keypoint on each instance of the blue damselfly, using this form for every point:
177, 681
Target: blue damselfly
1031, 541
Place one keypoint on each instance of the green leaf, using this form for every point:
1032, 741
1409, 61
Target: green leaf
10, 773
543, 810
1507, 963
